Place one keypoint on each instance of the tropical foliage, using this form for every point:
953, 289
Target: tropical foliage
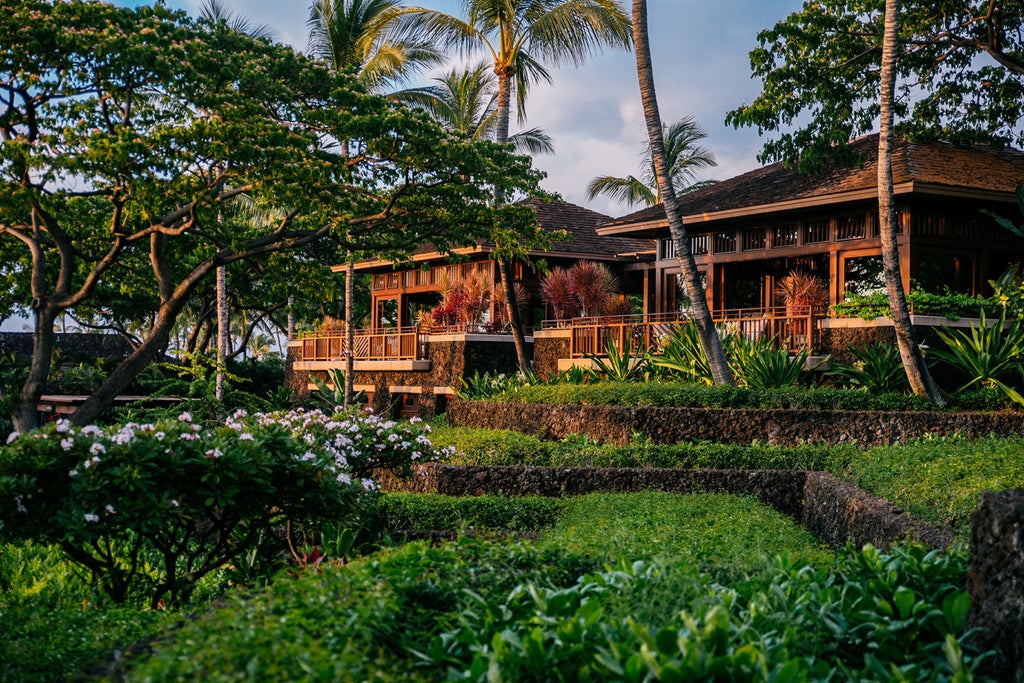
584, 289
877, 368
989, 355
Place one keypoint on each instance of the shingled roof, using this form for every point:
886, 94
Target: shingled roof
915, 164
581, 225
556, 215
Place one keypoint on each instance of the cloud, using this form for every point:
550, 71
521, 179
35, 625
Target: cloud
593, 113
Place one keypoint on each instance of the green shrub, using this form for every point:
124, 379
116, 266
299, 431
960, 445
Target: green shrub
682, 353
54, 623
761, 364
153, 509
414, 512
988, 355
878, 617
949, 305
354, 624
684, 395
625, 365
486, 386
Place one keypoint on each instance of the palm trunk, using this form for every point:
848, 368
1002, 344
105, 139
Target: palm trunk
350, 333
504, 267
706, 332
921, 381
222, 329
512, 307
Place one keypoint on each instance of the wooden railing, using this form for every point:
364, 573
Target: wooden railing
797, 329
395, 343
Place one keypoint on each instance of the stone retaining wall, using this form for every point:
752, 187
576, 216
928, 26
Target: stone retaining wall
996, 581
833, 510
742, 426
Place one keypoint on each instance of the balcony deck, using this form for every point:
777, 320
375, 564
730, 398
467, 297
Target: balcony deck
795, 328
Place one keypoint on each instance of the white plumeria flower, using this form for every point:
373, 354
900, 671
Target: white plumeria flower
67, 444
109, 509
185, 417
89, 517
97, 448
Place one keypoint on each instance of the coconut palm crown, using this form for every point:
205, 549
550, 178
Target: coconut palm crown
685, 158
520, 37
465, 101
374, 38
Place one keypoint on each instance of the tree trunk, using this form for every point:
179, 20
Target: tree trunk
706, 332
350, 332
515, 320
504, 267
920, 378
154, 344
26, 412
504, 103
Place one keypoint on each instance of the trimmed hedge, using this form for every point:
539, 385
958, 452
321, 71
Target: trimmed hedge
482, 446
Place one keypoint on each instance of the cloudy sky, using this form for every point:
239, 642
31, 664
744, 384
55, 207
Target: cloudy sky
593, 113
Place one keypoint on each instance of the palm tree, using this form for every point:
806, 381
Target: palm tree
466, 102
383, 46
684, 157
708, 335
373, 38
520, 36
921, 381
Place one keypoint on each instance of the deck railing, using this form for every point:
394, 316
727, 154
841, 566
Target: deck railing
796, 328
395, 343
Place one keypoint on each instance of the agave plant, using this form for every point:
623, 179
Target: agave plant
760, 364
682, 353
877, 368
620, 365
331, 394
988, 355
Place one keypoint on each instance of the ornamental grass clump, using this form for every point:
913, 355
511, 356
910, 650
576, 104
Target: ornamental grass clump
150, 510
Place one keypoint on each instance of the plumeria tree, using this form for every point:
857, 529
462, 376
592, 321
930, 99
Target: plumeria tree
150, 510
126, 132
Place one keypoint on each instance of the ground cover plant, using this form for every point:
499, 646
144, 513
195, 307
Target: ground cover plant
939, 478
54, 623
625, 587
498, 447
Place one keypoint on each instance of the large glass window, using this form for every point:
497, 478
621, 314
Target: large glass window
864, 275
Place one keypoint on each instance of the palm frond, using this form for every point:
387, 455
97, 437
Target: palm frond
628, 190
533, 141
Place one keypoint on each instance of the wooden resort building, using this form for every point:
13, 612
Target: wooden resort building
411, 357
748, 233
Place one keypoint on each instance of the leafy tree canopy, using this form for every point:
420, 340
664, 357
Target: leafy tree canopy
127, 133
960, 76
